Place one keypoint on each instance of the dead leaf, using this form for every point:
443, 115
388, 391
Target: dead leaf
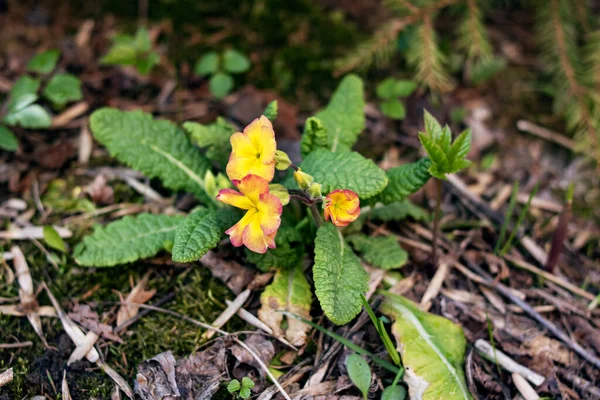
261, 346
99, 191
90, 320
138, 295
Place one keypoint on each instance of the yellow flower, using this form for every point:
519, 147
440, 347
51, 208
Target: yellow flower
257, 229
253, 151
342, 207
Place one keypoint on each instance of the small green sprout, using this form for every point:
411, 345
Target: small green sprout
133, 50
241, 390
220, 67
389, 92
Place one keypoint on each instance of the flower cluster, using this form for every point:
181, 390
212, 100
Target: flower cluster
251, 167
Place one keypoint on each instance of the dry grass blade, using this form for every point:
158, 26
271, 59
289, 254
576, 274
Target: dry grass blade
436, 282
6, 377
32, 232
80, 339
229, 312
66, 394
495, 355
524, 387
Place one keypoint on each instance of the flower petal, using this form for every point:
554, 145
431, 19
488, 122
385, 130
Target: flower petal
242, 146
269, 209
236, 232
261, 134
252, 186
255, 239
234, 198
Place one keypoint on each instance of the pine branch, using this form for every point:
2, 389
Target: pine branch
472, 35
582, 11
558, 39
379, 47
592, 57
428, 60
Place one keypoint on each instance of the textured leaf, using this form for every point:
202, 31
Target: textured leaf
158, 148
127, 240
33, 116
360, 373
381, 252
314, 136
62, 89
271, 110
347, 170
432, 127
289, 291
393, 108
8, 140
200, 232
344, 116
398, 211
208, 64
288, 253
233, 386
213, 138
235, 62
220, 84
339, 277
44, 63
432, 350
404, 181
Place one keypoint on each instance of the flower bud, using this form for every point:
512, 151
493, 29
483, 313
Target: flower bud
281, 192
314, 191
282, 160
303, 179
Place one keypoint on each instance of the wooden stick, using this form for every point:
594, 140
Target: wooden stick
486, 349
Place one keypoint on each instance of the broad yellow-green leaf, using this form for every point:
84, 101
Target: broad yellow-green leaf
290, 292
432, 349
53, 239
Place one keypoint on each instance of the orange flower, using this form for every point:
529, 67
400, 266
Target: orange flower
253, 151
257, 229
342, 207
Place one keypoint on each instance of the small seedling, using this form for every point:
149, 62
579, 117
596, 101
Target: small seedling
133, 50
22, 108
359, 373
446, 157
389, 92
220, 67
241, 390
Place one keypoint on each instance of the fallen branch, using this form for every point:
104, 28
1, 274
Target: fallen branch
495, 355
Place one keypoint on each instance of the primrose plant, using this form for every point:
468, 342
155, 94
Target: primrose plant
23, 107
135, 50
279, 211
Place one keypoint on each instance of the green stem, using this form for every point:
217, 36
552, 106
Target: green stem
316, 214
436, 222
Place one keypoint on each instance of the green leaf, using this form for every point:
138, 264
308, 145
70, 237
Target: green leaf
8, 140
247, 382
290, 292
393, 108
220, 84
33, 117
127, 240
25, 86
347, 170
145, 63
398, 211
53, 239
235, 62
245, 393
432, 349
142, 40
233, 386
344, 116
314, 136
383, 335
158, 148
385, 90
200, 232
436, 154
392, 88
271, 111
123, 51
381, 252
404, 181
432, 127
44, 63
395, 392
213, 138
461, 147
360, 373
208, 64
62, 89
339, 277
288, 252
